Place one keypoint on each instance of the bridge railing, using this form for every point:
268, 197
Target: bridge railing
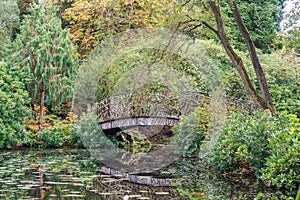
163, 104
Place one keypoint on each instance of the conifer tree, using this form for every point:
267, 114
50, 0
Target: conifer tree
44, 49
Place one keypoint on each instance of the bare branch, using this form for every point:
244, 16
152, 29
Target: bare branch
185, 3
195, 27
198, 25
209, 27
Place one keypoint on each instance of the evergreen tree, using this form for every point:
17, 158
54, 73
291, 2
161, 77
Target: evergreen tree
44, 49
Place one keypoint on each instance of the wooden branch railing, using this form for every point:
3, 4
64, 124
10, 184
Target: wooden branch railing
162, 104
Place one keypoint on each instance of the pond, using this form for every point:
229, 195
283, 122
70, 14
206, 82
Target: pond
51, 174
73, 174
66, 174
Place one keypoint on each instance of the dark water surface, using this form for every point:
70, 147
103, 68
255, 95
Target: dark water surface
73, 174
47, 174
66, 174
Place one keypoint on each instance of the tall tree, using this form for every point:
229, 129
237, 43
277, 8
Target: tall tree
90, 21
264, 100
45, 49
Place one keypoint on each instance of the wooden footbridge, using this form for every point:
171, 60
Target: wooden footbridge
159, 108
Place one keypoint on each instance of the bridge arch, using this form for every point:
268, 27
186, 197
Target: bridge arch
123, 110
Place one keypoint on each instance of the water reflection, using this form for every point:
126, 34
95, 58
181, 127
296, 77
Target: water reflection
73, 174
68, 174
51, 174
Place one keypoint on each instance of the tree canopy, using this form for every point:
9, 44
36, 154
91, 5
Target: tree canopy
261, 19
44, 49
90, 21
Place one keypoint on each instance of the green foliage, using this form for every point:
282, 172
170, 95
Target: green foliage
74, 138
261, 19
9, 23
59, 135
298, 193
289, 40
90, 133
139, 61
266, 145
45, 50
282, 167
53, 136
243, 142
13, 110
231, 81
195, 124
9, 20
293, 40
50, 117
282, 72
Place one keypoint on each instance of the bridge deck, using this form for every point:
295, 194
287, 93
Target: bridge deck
138, 121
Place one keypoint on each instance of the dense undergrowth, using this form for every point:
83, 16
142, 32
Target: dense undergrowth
260, 144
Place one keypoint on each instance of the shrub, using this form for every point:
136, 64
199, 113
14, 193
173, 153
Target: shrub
13, 109
267, 145
282, 73
55, 136
74, 139
282, 167
59, 135
243, 143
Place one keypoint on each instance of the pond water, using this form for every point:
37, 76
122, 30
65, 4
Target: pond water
73, 174
66, 174
51, 174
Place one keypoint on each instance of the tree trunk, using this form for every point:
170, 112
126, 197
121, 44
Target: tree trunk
32, 105
42, 105
264, 103
263, 85
33, 110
